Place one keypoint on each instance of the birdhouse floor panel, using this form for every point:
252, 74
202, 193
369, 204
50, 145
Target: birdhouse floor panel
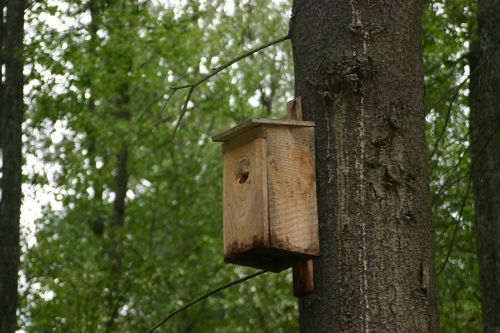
271, 259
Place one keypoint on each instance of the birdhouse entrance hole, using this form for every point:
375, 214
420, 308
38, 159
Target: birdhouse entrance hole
242, 170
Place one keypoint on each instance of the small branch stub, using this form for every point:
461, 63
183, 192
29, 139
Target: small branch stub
303, 281
303, 278
294, 109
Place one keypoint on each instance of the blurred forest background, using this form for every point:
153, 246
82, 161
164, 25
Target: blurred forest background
130, 224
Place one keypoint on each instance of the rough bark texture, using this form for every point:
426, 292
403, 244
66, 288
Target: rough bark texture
485, 154
2, 61
358, 68
12, 114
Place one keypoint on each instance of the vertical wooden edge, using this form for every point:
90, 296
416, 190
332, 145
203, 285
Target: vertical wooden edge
224, 203
303, 278
294, 109
265, 197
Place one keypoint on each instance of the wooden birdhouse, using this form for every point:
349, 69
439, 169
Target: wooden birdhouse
270, 212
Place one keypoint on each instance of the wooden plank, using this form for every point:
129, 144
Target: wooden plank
245, 199
244, 138
292, 189
294, 109
303, 272
303, 282
254, 122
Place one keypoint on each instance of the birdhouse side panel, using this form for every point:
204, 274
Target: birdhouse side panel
292, 189
245, 198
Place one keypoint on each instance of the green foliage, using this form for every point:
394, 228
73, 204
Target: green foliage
105, 82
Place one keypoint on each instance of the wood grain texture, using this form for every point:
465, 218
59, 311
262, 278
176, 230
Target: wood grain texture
292, 189
245, 199
303, 278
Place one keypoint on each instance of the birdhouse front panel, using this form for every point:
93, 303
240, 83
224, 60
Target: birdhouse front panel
270, 215
245, 197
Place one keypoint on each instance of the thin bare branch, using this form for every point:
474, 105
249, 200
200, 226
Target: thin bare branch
447, 120
449, 182
458, 220
457, 224
217, 70
455, 88
201, 298
461, 84
183, 112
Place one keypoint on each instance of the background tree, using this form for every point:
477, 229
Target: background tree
358, 68
485, 154
11, 115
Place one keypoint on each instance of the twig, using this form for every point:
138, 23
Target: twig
446, 94
193, 86
464, 202
201, 298
445, 184
457, 224
459, 85
184, 109
447, 120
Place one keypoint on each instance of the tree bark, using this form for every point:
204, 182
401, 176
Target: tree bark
12, 114
2, 62
485, 155
118, 221
118, 218
358, 68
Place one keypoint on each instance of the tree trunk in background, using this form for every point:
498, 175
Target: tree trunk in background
97, 224
358, 68
12, 114
118, 219
485, 155
2, 62
116, 239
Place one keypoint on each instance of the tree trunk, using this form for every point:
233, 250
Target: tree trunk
116, 239
358, 68
2, 62
118, 218
12, 114
485, 155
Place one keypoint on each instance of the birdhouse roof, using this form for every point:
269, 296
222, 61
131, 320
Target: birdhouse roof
255, 122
